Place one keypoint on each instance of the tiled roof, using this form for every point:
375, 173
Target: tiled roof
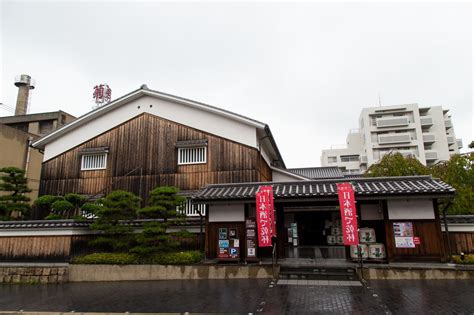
460, 219
317, 172
58, 224
375, 186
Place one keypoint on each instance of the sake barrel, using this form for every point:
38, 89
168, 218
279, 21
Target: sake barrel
336, 230
367, 235
331, 239
339, 240
377, 251
355, 251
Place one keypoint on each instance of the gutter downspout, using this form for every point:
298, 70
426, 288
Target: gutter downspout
27, 162
445, 209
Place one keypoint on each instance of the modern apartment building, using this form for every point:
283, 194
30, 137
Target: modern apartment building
424, 132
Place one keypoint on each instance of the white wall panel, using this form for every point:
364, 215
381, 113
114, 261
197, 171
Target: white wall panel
227, 213
407, 209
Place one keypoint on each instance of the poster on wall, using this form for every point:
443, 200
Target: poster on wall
222, 233
251, 235
403, 233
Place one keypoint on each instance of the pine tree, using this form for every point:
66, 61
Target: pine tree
14, 184
164, 204
116, 207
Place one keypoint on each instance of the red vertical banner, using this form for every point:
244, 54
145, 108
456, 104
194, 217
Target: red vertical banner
265, 216
269, 191
348, 214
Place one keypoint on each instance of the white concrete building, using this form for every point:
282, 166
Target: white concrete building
424, 132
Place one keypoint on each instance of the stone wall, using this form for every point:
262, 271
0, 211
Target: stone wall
79, 273
454, 273
34, 274
60, 273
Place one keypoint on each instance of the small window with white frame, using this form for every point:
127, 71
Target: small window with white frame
192, 155
96, 161
192, 151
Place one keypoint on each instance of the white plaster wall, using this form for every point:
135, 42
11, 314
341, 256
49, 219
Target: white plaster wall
403, 209
226, 213
180, 113
278, 176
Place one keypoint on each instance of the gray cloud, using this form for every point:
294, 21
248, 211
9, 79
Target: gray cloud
306, 69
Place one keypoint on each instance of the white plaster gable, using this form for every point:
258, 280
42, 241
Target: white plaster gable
204, 120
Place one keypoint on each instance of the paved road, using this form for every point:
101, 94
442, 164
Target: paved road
245, 296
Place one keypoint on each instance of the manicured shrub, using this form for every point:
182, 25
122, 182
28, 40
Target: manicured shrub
107, 259
468, 259
177, 258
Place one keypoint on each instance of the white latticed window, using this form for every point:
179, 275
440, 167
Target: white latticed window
194, 155
94, 161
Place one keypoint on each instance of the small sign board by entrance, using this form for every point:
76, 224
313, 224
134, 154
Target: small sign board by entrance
251, 235
348, 214
417, 240
228, 248
403, 233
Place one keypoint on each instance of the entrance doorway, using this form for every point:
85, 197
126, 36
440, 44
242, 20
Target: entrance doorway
314, 233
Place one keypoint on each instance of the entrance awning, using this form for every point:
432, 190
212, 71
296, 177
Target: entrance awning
378, 187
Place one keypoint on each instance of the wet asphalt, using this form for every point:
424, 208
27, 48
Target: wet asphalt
244, 296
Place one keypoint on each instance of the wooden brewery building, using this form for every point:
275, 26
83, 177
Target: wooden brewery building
147, 139
396, 209
219, 159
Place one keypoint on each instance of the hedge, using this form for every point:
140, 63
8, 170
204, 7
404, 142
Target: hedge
468, 259
107, 259
174, 258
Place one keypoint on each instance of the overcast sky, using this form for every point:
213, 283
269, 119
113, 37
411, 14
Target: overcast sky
305, 69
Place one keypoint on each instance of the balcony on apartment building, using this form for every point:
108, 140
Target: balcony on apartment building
431, 155
363, 160
405, 153
426, 121
459, 143
429, 138
448, 123
394, 138
396, 121
450, 139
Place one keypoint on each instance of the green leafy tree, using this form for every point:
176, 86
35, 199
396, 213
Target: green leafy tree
471, 145
163, 207
459, 173
395, 164
13, 202
114, 208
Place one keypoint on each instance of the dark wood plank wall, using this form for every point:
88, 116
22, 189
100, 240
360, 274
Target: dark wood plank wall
27, 248
430, 249
429, 231
460, 242
142, 155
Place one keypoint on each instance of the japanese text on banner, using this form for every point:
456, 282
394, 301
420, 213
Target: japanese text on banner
348, 214
265, 216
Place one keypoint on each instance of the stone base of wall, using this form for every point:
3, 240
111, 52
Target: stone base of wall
417, 274
33, 274
79, 273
